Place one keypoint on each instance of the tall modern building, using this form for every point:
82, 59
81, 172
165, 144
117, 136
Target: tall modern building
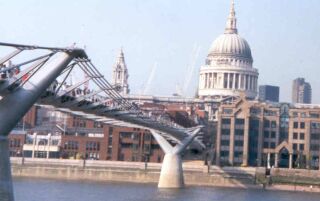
301, 91
228, 70
120, 75
269, 93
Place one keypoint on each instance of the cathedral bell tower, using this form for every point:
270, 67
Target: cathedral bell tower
120, 75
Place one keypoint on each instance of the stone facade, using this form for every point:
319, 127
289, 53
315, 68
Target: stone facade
253, 133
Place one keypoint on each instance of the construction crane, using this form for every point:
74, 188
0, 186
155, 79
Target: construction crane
150, 78
190, 68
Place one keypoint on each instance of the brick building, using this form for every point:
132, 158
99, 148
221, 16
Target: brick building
114, 143
16, 141
81, 138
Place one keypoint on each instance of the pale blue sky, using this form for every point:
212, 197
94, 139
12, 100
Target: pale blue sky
283, 35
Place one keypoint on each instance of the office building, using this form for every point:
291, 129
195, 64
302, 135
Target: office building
250, 132
269, 93
301, 91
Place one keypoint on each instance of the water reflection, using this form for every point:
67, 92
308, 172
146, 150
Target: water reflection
54, 190
168, 194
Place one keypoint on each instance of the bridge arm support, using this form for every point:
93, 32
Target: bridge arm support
15, 104
6, 190
171, 175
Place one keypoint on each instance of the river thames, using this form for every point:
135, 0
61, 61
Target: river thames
58, 190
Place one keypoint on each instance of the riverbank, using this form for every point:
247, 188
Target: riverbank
195, 173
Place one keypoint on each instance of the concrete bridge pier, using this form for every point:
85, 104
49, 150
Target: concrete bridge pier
6, 189
171, 175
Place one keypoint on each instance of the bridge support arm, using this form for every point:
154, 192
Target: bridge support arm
171, 175
6, 189
15, 104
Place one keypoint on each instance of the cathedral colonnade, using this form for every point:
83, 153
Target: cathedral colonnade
228, 80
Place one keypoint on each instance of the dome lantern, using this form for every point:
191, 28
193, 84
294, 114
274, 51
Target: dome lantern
231, 26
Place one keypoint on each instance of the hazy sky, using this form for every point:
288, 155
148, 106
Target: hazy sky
284, 36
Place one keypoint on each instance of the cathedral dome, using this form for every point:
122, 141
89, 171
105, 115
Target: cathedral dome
230, 45
228, 70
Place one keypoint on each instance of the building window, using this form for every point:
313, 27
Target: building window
237, 153
266, 145
135, 147
314, 147
225, 142
227, 111
302, 125
315, 125
135, 136
301, 147
15, 143
73, 145
273, 134
266, 134
301, 136
147, 137
225, 131
295, 146
273, 124
97, 124
255, 111
110, 130
226, 121
239, 121
55, 142
110, 137
295, 125
126, 145
314, 115
295, 136
224, 153
146, 148
266, 123
109, 151
315, 136
272, 145
239, 132
92, 146
238, 143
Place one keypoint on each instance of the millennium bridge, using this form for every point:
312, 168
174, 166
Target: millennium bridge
38, 75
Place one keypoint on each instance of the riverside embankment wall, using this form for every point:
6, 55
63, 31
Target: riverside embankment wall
194, 174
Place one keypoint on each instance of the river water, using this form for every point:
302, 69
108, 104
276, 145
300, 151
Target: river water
57, 190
